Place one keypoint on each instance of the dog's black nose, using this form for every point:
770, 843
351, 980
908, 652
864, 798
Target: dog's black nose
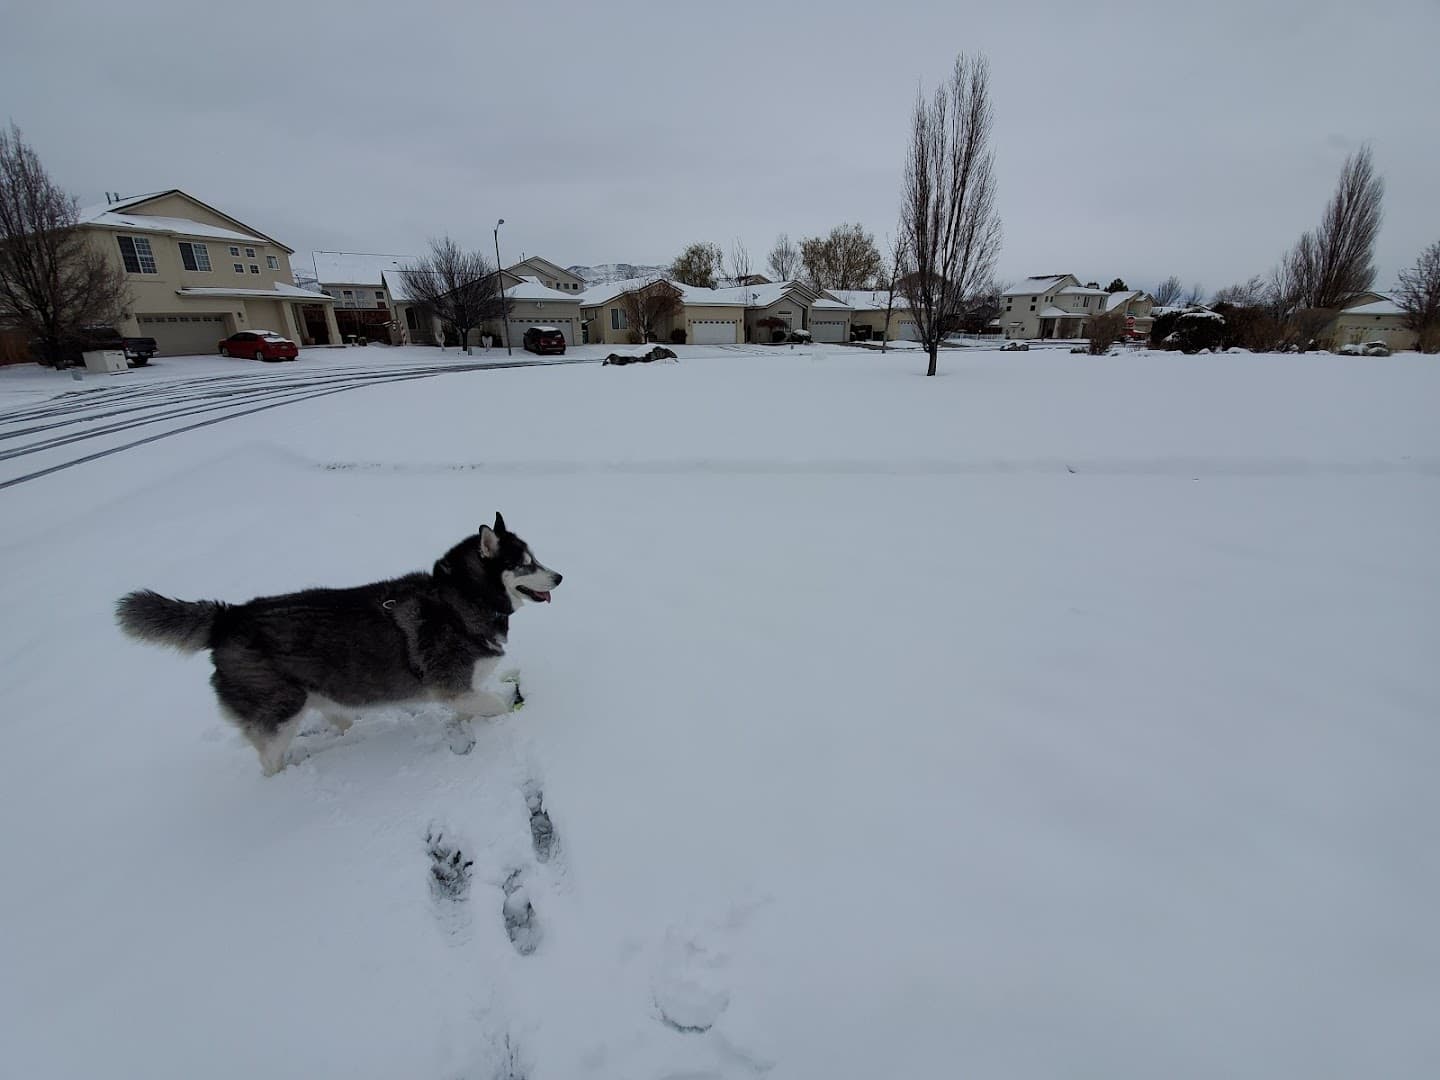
559, 577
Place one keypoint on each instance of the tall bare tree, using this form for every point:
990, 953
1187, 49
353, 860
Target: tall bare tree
54, 280
1195, 296
1168, 292
1250, 293
898, 262
1335, 260
1418, 294
784, 259
947, 208
458, 287
846, 258
699, 264
739, 266
647, 306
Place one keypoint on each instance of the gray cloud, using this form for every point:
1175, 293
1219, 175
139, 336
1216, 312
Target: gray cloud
1132, 140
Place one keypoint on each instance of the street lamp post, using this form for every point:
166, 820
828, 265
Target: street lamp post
500, 284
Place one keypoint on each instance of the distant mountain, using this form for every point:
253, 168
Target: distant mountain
608, 272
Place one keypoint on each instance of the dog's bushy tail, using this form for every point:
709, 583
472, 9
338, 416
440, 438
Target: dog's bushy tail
181, 624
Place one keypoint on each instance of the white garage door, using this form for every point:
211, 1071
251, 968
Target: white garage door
906, 330
184, 335
827, 329
519, 326
712, 331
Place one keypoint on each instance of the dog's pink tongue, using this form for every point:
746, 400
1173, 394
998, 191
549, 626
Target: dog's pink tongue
543, 597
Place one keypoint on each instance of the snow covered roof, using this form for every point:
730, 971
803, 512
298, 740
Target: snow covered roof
690, 294
356, 267
865, 299
603, 293
531, 289
1120, 299
1037, 284
280, 291
1053, 312
1376, 307
765, 295
1080, 290
397, 286
827, 304
108, 217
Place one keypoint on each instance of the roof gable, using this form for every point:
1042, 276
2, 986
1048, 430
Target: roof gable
171, 206
545, 265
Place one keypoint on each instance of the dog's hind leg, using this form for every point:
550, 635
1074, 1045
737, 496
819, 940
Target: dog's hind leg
265, 706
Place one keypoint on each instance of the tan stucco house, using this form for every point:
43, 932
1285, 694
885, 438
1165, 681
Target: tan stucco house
1136, 308
197, 275
1370, 316
549, 274
867, 314
1050, 306
706, 316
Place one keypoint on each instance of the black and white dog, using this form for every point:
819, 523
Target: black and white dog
435, 636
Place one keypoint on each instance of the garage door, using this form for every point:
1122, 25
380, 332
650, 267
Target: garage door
519, 326
827, 329
713, 331
906, 330
184, 335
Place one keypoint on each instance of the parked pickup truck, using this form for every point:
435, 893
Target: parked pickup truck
137, 350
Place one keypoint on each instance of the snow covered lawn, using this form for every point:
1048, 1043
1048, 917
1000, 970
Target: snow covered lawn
1056, 717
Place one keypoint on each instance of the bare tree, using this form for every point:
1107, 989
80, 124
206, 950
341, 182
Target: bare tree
647, 306
845, 259
1104, 330
1335, 261
1418, 294
1168, 292
784, 259
740, 266
699, 265
54, 280
1195, 297
1251, 293
948, 216
458, 287
898, 262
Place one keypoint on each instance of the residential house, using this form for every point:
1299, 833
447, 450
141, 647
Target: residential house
549, 275
868, 321
363, 305
528, 302
786, 305
1050, 306
1137, 308
1370, 316
197, 275
708, 316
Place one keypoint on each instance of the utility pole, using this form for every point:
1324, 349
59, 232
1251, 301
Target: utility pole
500, 284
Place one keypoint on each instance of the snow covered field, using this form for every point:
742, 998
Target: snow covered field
1056, 717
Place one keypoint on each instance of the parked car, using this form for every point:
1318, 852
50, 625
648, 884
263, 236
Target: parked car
259, 345
544, 339
137, 350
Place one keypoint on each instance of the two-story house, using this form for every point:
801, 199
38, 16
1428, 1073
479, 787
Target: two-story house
197, 275
549, 275
364, 306
1050, 306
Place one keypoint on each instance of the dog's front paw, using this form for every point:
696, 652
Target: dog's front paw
511, 678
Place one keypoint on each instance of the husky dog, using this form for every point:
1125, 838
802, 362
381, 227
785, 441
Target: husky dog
434, 636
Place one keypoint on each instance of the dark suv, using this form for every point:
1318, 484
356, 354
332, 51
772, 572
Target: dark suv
137, 350
544, 339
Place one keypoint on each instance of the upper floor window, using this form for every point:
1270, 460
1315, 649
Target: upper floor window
235, 252
249, 253
239, 268
272, 262
379, 294
139, 259
194, 256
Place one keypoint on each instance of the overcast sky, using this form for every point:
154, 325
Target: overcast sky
1134, 140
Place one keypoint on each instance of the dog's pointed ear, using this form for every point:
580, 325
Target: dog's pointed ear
489, 542
500, 523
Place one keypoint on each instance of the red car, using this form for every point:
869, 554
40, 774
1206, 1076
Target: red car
259, 345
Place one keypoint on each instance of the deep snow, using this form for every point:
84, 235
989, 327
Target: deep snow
1059, 716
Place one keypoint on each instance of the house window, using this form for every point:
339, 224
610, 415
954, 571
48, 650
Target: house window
139, 259
194, 256
249, 253
346, 292
618, 321
1087, 301
239, 267
235, 252
379, 295
254, 268
272, 262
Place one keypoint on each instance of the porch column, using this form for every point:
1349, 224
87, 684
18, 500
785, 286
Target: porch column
292, 331
331, 326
